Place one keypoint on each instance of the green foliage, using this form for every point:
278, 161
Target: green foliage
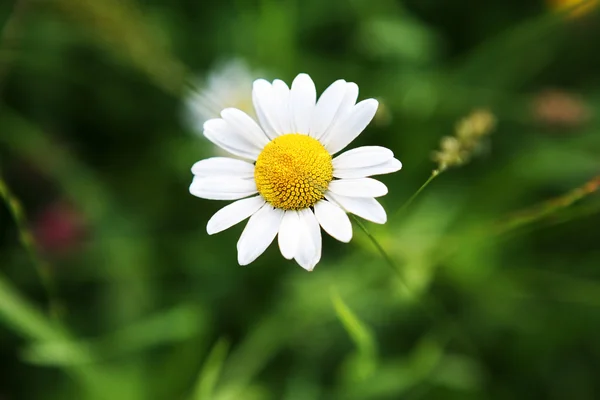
495, 288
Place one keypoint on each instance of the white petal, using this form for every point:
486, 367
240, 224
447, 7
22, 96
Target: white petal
234, 213
351, 126
327, 107
348, 102
288, 234
303, 97
361, 187
281, 107
220, 133
258, 234
262, 98
365, 156
223, 166
364, 207
387, 167
334, 220
308, 252
219, 188
245, 126
198, 109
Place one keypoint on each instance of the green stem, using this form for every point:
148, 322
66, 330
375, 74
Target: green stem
27, 241
408, 202
434, 309
549, 207
388, 259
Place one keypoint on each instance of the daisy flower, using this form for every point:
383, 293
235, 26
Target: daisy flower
228, 85
289, 183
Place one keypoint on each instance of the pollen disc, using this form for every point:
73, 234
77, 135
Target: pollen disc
293, 172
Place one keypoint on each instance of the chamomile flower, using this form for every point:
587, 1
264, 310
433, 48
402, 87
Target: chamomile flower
228, 85
288, 182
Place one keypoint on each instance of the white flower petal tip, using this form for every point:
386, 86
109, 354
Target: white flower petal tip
364, 207
361, 187
362, 157
259, 233
260, 83
303, 96
308, 252
233, 141
245, 126
262, 98
334, 221
211, 123
233, 214
220, 188
281, 107
326, 108
395, 165
365, 161
342, 109
352, 125
309, 265
223, 166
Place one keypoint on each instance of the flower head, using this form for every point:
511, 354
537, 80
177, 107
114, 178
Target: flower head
289, 183
228, 85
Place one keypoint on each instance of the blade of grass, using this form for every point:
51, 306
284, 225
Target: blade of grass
548, 208
174, 325
27, 241
27, 321
211, 371
360, 334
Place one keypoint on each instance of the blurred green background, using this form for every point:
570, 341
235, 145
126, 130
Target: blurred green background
130, 298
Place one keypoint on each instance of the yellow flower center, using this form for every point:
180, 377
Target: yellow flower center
293, 172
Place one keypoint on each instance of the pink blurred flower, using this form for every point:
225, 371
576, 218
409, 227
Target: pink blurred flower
59, 229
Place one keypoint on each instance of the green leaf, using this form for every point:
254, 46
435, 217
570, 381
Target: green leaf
363, 363
209, 375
